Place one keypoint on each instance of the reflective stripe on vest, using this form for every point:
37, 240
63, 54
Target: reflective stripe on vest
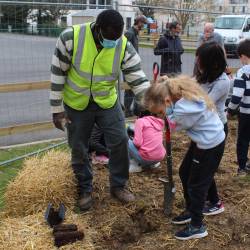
86, 91
92, 73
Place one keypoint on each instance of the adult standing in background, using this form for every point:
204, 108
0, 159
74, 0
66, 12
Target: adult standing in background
85, 68
132, 36
133, 32
170, 48
209, 35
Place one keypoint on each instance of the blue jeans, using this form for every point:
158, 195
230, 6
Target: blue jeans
134, 154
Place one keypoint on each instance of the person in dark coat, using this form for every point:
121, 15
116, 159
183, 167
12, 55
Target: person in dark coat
132, 36
133, 32
170, 48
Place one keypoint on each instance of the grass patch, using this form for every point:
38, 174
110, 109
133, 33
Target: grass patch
247, 178
9, 171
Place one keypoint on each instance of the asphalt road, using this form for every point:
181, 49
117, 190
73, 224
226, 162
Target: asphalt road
25, 58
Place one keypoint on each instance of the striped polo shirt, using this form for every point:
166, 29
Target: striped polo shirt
241, 91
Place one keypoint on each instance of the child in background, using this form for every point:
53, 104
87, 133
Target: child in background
146, 150
188, 106
211, 66
97, 147
241, 98
210, 74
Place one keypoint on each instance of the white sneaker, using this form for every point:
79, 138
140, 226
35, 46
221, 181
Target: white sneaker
134, 167
156, 165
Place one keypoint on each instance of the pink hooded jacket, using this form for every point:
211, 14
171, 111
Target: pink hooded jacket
149, 138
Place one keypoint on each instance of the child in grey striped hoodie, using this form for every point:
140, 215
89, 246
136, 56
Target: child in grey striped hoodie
241, 99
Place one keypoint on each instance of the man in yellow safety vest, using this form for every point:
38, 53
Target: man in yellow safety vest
85, 68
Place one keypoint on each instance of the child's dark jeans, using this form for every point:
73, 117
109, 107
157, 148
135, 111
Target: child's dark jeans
197, 175
134, 154
243, 139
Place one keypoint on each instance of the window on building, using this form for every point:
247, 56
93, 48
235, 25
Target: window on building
220, 8
81, 7
233, 9
243, 9
100, 3
238, 1
92, 4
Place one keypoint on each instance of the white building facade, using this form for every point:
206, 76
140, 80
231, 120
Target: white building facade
94, 7
235, 6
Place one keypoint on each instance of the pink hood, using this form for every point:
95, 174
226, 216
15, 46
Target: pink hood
157, 123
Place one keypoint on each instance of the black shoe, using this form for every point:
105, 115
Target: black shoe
247, 168
213, 209
85, 201
191, 232
183, 218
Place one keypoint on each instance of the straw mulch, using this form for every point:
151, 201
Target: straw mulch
41, 180
109, 224
31, 232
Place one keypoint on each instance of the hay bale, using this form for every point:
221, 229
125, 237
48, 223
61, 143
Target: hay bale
42, 180
31, 232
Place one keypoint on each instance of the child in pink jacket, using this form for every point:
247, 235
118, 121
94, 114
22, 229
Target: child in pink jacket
146, 150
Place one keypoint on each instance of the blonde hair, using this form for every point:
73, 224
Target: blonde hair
179, 87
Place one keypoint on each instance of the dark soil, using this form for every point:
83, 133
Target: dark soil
142, 225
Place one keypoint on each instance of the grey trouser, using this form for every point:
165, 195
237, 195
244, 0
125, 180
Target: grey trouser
111, 122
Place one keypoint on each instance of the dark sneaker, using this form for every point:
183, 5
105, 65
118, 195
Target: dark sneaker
181, 219
247, 168
191, 232
213, 209
85, 201
241, 173
122, 194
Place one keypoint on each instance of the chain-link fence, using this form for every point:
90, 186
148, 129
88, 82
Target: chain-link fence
27, 49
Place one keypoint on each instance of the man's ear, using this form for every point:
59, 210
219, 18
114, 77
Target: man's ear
97, 27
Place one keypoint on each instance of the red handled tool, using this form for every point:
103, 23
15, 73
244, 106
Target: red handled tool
156, 70
169, 187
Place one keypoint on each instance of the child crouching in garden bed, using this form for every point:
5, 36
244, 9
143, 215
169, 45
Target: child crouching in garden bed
146, 150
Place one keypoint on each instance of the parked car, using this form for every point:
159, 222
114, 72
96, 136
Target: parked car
233, 28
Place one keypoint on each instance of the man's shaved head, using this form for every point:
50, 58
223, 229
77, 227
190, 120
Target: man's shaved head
208, 30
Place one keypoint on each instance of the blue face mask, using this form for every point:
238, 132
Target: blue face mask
169, 110
108, 44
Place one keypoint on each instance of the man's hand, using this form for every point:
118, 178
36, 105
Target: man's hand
137, 108
59, 120
229, 116
231, 113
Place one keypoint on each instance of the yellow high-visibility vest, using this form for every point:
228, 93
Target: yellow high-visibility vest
92, 72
